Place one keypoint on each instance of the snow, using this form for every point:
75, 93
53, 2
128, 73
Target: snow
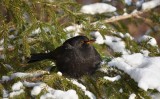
106, 0
129, 36
78, 84
1, 41
38, 30
98, 37
59, 73
150, 4
130, 59
144, 70
97, 8
70, 94
83, 88
134, 11
112, 79
47, 96
22, 75
36, 90
59, 94
132, 96
116, 44
19, 74
90, 95
5, 78
120, 34
155, 96
5, 93
16, 93
145, 52
8, 66
73, 30
9, 47
30, 84
17, 86
2, 56
128, 2
121, 90
50, 92
139, 3
152, 41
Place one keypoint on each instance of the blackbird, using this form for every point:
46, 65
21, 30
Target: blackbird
75, 57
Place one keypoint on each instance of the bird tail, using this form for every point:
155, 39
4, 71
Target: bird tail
38, 57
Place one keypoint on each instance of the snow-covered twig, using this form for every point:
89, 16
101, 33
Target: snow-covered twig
123, 17
147, 6
23, 75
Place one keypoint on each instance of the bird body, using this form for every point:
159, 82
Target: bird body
76, 57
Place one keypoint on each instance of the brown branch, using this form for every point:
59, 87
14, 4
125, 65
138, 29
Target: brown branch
123, 17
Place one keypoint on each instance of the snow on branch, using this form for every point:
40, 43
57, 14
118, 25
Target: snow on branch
147, 6
123, 17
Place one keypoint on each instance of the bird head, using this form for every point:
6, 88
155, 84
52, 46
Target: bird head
78, 41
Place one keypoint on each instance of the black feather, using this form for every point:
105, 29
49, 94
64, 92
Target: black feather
74, 58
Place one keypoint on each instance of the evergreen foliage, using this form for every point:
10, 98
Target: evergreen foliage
34, 26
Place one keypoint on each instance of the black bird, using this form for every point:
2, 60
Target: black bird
75, 57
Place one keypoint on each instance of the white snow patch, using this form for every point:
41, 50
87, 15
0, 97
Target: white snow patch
38, 30
59, 94
59, 73
36, 90
144, 70
134, 11
106, 0
48, 96
121, 90
145, 52
97, 35
129, 36
139, 3
78, 84
9, 47
132, 96
120, 34
134, 60
30, 84
128, 2
8, 66
87, 93
5, 78
125, 13
5, 93
116, 44
16, 93
150, 4
73, 30
17, 86
112, 79
97, 8
2, 56
155, 96
22, 75
1, 41
90, 94
70, 94
152, 41
51, 93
